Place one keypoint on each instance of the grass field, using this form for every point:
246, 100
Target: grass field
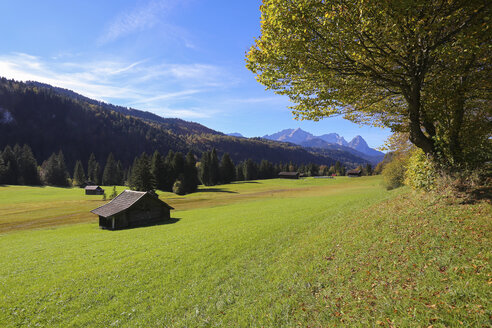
273, 253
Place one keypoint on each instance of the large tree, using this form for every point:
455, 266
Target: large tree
190, 176
421, 66
141, 177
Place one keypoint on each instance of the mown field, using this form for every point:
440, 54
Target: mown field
273, 253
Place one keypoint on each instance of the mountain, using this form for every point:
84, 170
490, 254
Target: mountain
235, 134
50, 119
358, 143
295, 136
334, 138
328, 142
175, 125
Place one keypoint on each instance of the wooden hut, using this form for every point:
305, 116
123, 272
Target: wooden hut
288, 175
132, 209
94, 190
354, 173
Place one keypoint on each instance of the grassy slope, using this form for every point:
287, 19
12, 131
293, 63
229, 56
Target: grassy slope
275, 253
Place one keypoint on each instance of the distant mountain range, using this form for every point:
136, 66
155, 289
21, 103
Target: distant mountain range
50, 119
332, 141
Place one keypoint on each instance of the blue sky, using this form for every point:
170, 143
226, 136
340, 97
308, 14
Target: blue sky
176, 58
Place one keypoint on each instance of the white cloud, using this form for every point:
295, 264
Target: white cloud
142, 18
142, 84
191, 113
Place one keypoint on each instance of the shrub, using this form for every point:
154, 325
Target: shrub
114, 193
394, 172
421, 173
179, 188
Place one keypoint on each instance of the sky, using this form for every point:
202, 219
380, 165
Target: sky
175, 58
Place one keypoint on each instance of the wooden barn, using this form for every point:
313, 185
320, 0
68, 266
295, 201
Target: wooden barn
288, 175
132, 209
87, 183
94, 190
354, 173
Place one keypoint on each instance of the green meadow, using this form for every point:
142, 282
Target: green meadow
267, 253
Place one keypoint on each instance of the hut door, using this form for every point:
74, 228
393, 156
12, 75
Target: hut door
112, 222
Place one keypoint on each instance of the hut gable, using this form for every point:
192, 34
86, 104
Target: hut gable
132, 209
354, 173
94, 190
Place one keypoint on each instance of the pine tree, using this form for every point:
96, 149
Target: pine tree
62, 170
266, 170
10, 162
205, 169
141, 177
190, 174
227, 169
178, 164
3, 170
343, 170
110, 175
120, 174
28, 167
78, 174
368, 169
158, 170
170, 175
214, 168
91, 168
97, 173
55, 171
338, 168
250, 170
240, 171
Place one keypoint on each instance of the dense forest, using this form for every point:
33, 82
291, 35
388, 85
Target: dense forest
51, 119
174, 172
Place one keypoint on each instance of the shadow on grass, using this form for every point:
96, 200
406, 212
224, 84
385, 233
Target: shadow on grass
243, 182
216, 190
153, 224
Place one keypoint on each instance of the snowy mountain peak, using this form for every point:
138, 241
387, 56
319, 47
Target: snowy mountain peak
334, 138
306, 139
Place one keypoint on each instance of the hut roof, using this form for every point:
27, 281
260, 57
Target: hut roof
290, 174
354, 171
92, 187
122, 202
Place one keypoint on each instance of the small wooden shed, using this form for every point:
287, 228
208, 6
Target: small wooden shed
94, 190
354, 173
288, 175
132, 209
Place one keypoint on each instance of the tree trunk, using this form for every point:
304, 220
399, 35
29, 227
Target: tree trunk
417, 137
456, 123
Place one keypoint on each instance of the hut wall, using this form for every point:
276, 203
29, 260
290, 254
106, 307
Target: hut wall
95, 192
147, 211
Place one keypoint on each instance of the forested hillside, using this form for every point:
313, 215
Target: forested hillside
50, 119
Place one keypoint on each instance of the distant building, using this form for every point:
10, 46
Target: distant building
94, 190
87, 183
132, 209
354, 173
288, 175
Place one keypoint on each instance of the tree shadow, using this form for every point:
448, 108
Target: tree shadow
479, 194
216, 190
